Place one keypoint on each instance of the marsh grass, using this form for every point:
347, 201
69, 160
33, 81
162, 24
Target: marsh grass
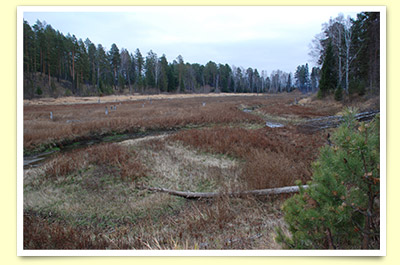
86, 190
116, 159
80, 121
221, 224
271, 157
90, 198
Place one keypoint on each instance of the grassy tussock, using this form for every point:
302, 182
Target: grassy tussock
39, 233
271, 170
175, 166
221, 224
120, 159
273, 157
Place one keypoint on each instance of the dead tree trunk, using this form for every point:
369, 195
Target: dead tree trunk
211, 195
322, 123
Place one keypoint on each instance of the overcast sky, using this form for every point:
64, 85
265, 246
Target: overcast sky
266, 38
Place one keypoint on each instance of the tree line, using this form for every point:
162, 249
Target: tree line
347, 52
92, 70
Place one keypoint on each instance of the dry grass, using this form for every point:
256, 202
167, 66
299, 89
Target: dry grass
221, 224
39, 233
118, 98
115, 158
308, 109
93, 198
82, 121
89, 198
178, 167
274, 157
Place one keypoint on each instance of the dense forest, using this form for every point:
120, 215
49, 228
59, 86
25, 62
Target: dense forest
347, 51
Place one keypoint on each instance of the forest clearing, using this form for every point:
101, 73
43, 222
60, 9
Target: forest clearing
250, 142
90, 191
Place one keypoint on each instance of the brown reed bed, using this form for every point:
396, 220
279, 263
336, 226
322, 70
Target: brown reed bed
274, 157
80, 121
110, 156
89, 198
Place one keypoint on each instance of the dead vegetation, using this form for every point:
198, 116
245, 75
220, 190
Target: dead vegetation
218, 224
115, 158
273, 157
90, 198
40, 233
118, 98
83, 121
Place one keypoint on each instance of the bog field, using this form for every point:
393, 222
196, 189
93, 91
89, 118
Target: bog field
93, 168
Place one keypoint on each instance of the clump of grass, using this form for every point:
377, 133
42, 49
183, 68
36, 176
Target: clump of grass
40, 233
224, 223
123, 161
265, 169
273, 157
175, 166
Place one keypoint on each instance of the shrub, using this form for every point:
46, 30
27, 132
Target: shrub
339, 93
53, 86
358, 87
340, 208
68, 93
39, 91
320, 94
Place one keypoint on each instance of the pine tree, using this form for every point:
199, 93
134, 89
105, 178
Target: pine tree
91, 49
125, 68
302, 76
181, 70
102, 68
163, 84
289, 83
172, 77
115, 60
150, 69
340, 209
139, 71
82, 65
210, 73
315, 78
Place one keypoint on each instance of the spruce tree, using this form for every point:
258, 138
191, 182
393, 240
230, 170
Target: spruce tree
339, 93
340, 209
328, 80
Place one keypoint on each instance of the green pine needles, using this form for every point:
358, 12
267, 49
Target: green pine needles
340, 209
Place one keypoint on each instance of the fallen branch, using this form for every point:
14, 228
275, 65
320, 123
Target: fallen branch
334, 121
210, 195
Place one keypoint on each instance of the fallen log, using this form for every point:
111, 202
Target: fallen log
334, 121
210, 195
